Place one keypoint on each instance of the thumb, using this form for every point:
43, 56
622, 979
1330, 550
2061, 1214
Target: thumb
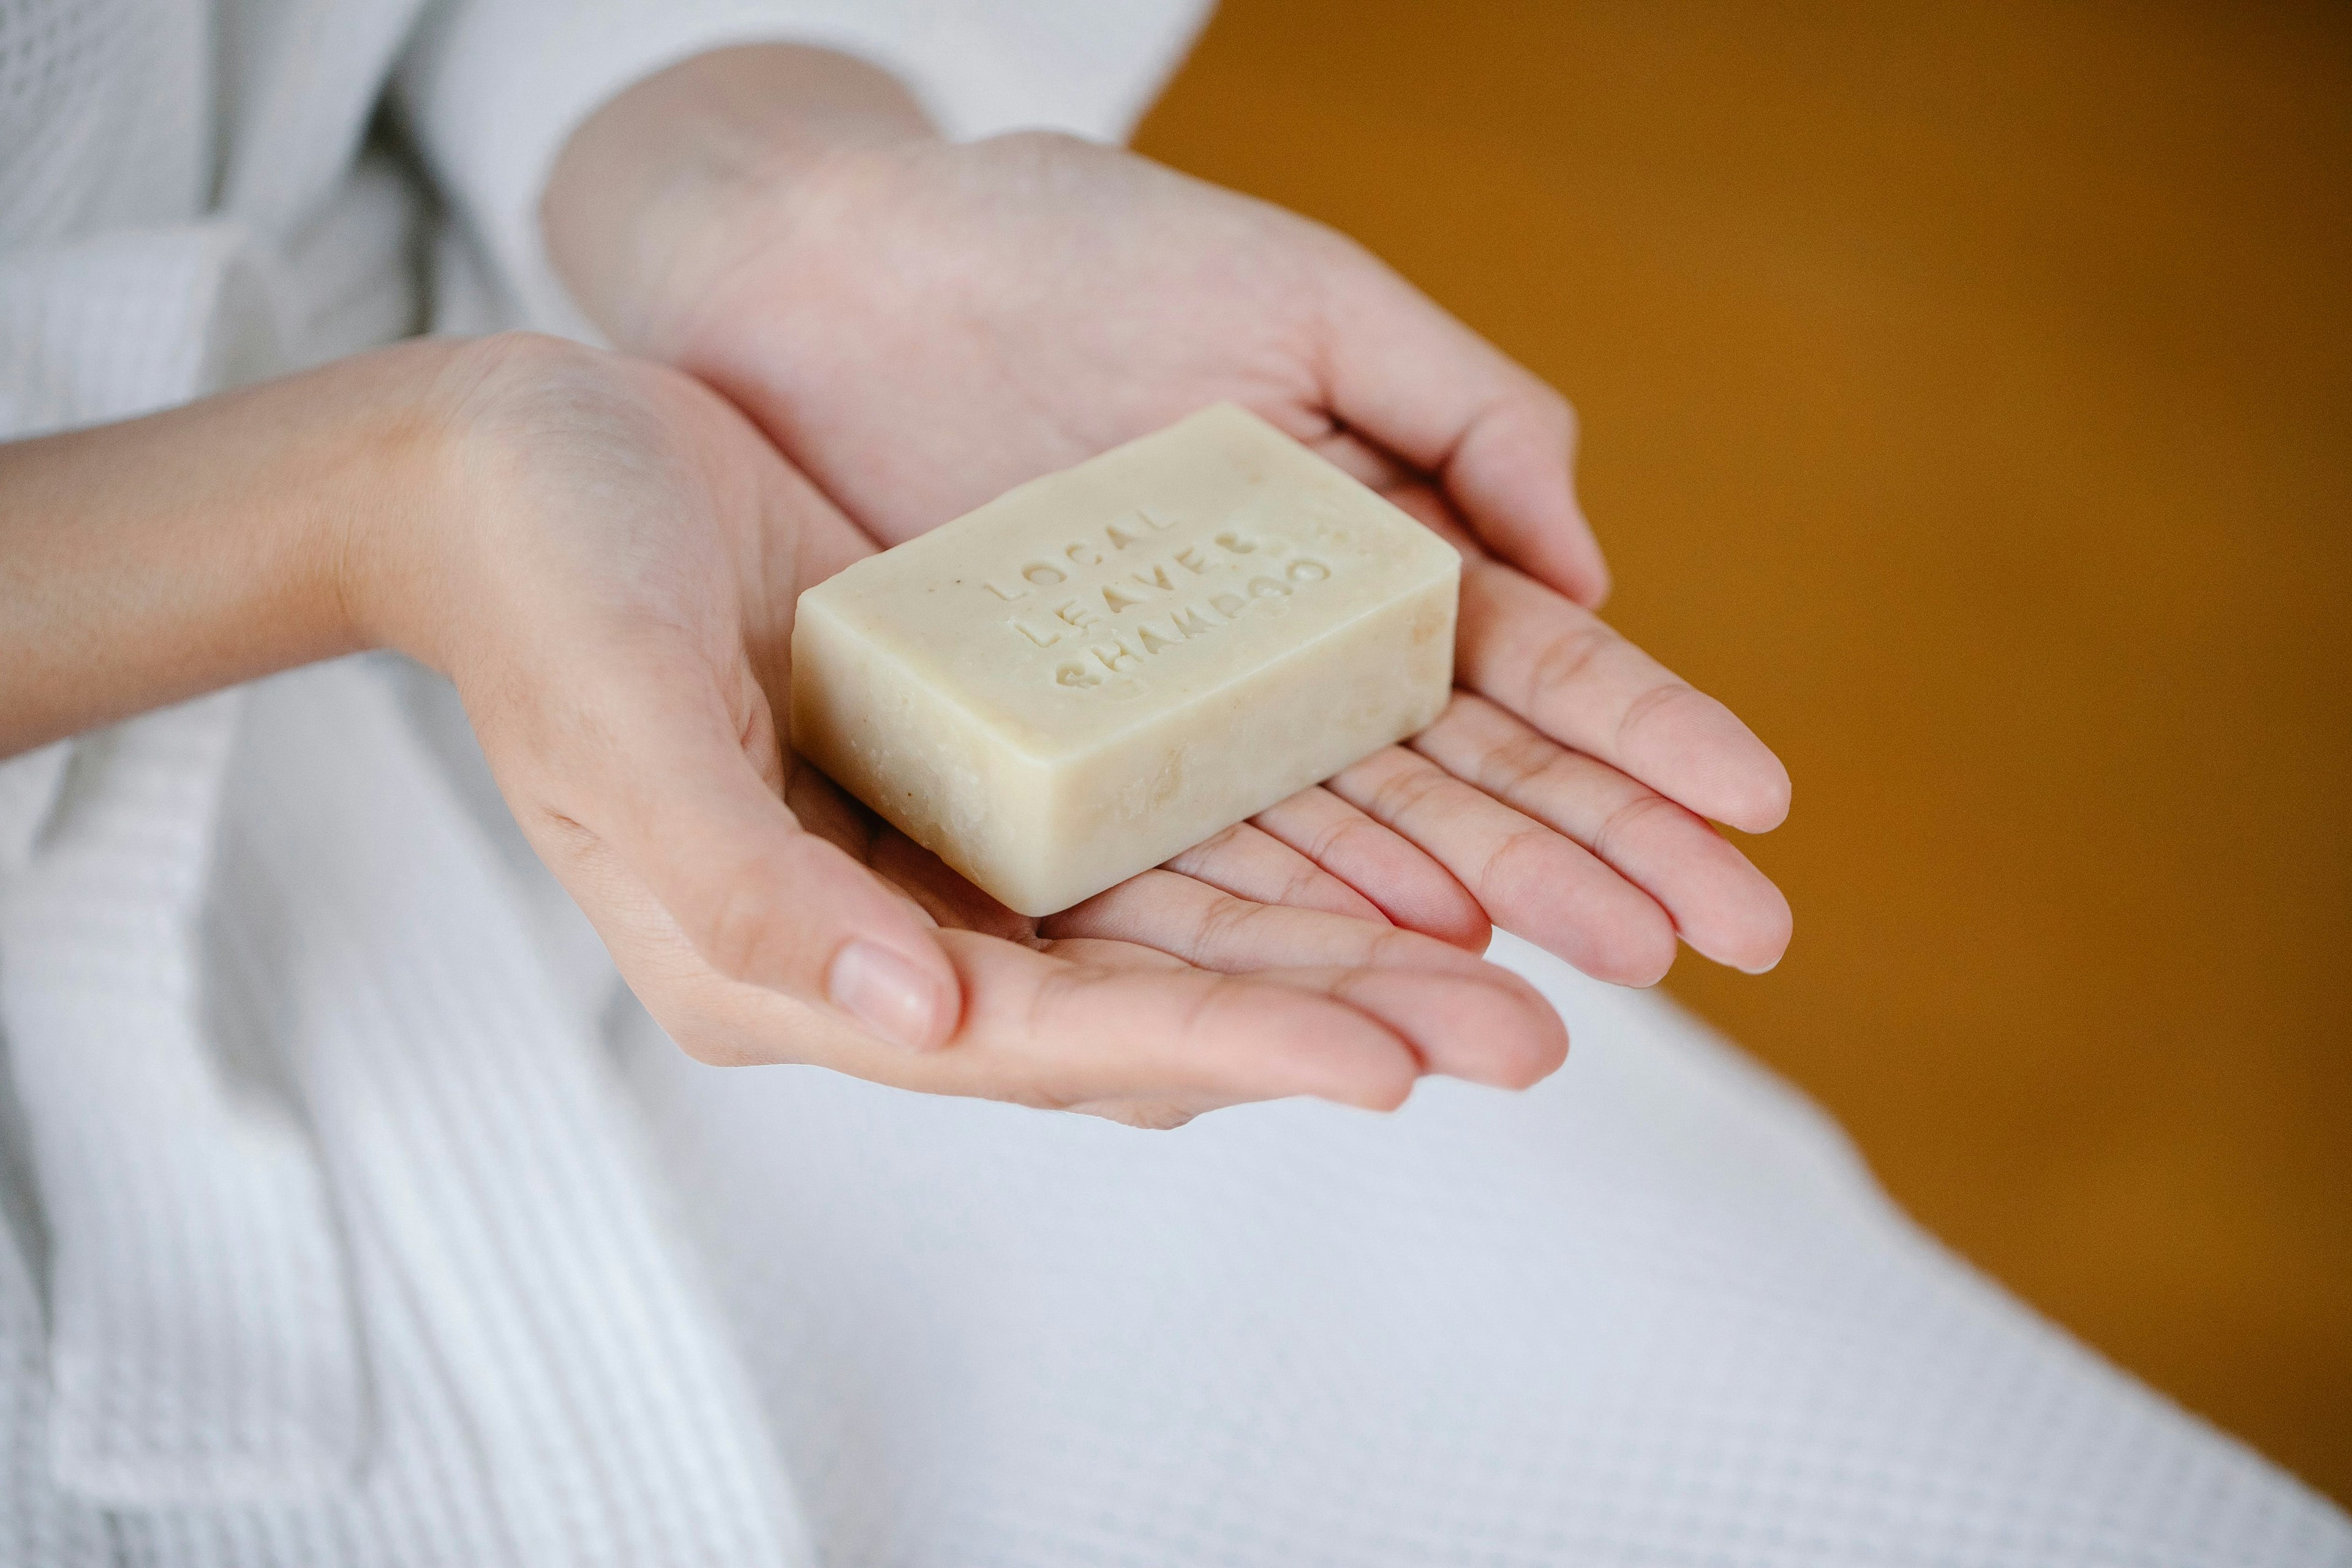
1402, 373
676, 779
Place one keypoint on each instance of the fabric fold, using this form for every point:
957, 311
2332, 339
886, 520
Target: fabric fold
201, 1338
550, 1384
38, 1523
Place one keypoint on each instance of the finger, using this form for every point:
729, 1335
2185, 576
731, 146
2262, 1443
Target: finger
1251, 863
1410, 889
1493, 1029
660, 773
1565, 671
1361, 460
1159, 1111
822, 808
1722, 905
1428, 506
1532, 880
1408, 376
1465, 1017
1196, 923
827, 541
1071, 1034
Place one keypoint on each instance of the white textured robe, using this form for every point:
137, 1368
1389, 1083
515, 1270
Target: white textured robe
354, 1215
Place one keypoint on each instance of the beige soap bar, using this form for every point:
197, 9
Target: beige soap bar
1109, 664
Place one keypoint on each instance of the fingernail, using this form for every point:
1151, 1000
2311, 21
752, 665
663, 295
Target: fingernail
884, 992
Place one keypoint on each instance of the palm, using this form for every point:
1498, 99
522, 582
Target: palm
1042, 301
1036, 301
628, 659
1165, 996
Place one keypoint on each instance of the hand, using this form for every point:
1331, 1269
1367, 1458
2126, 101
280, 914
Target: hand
1571, 781
921, 326
1552, 789
611, 585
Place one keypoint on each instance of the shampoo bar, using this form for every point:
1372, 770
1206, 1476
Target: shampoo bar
1109, 664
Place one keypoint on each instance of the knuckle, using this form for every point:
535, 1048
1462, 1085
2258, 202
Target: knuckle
1224, 920
1398, 950
1609, 839
1645, 708
1404, 789
1349, 837
1058, 991
1304, 881
1566, 656
1221, 997
1510, 768
561, 835
740, 925
1326, 842
1208, 853
1522, 861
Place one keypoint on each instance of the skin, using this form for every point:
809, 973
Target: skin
921, 326
603, 555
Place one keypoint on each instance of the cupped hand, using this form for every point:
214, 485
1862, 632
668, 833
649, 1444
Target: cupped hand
921, 326
611, 585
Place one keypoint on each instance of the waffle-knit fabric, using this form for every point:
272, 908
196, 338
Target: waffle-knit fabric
333, 1238
1653, 1311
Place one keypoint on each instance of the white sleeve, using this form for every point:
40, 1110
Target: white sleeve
490, 89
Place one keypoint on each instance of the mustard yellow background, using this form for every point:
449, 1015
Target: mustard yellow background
1967, 393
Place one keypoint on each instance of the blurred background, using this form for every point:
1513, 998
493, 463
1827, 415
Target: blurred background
1968, 400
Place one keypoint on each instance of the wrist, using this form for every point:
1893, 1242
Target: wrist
677, 176
383, 552
149, 562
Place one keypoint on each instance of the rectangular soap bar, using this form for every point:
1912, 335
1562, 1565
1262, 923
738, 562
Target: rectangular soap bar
1107, 665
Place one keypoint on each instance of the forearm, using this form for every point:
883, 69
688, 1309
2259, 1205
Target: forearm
151, 561
627, 205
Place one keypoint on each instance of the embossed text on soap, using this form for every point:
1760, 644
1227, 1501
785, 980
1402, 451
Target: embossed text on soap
1120, 598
